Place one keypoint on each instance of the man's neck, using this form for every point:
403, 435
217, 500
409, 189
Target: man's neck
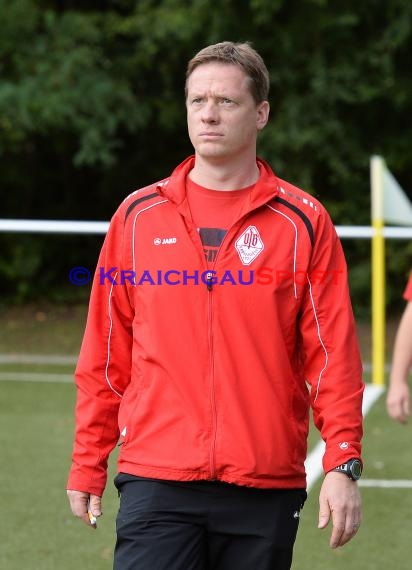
224, 176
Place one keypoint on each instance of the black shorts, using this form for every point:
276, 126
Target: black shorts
204, 525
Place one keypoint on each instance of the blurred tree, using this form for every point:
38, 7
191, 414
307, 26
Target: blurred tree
91, 102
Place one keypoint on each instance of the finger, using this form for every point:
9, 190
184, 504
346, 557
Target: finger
338, 532
95, 505
324, 514
396, 411
78, 502
348, 533
350, 530
400, 413
401, 410
89, 520
406, 409
402, 418
94, 509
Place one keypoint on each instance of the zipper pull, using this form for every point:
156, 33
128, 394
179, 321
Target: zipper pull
209, 283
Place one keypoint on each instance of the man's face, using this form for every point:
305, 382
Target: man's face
223, 118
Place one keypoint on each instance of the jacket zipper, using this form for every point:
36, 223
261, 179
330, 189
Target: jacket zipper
212, 398
209, 287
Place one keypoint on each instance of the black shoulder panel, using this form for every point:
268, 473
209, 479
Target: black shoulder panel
301, 214
137, 202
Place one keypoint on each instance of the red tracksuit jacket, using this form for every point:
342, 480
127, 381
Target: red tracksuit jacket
208, 373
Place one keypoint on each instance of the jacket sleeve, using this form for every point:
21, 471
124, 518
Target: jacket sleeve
104, 367
332, 362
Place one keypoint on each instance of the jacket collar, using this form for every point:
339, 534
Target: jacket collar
174, 187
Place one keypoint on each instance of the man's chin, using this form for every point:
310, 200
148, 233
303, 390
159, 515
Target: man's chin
207, 150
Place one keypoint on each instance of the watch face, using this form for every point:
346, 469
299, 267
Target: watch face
355, 469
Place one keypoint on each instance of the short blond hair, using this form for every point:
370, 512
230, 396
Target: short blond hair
240, 54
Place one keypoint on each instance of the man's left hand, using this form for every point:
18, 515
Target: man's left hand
340, 500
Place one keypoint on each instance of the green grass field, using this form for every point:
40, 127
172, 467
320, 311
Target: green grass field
37, 530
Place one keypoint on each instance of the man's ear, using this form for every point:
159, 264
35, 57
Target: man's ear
262, 114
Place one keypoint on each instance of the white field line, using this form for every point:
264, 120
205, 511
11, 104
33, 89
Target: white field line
367, 367
313, 463
36, 377
386, 483
37, 359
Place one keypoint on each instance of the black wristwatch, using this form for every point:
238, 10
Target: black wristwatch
352, 468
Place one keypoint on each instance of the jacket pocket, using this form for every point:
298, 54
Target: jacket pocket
127, 410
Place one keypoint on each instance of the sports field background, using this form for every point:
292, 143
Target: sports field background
37, 530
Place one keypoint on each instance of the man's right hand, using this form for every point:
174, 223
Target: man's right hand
78, 504
398, 400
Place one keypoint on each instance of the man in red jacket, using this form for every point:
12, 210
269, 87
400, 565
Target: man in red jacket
219, 315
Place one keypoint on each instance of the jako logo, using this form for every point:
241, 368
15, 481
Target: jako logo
164, 241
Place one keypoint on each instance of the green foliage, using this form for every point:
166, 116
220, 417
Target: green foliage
91, 101
20, 266
59, 80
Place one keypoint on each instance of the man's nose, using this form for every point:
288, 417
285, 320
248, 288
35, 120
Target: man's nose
210, 112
